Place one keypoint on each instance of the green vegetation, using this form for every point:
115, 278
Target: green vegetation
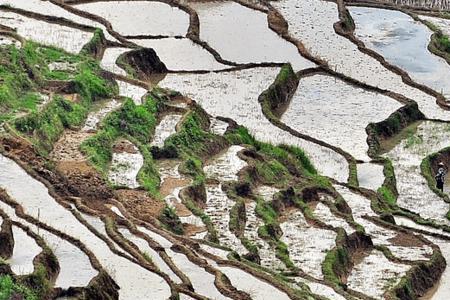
237, 216
92, 47
134, 123
24, 73
387, 195
443, 42
9, 288
337, 261
170, 220
193, 139
281, 158
31, 287
413, 139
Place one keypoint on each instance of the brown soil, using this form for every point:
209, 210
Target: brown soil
406, 240
124, 146
140, 204
182, 211
170, 184
83, 180
191, 230
67, 148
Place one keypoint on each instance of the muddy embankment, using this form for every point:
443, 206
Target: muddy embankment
395, 123
141, 63
6, 237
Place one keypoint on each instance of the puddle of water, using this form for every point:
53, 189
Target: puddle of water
145, 248
109, 59
242, 35
320, 289
223, 168
125, 167
324, 214
67, 254
25, 250
97, 115
360, 205
347, 110
226, 166
165, 128
218, 207
172, 182
70, 39
440, 290
135, 282
311, 22
401, 40
148, 18
218, 127
181, 54
381, 236
375, 274
307, 245
370, 175
44, 7
98, 225
406, 157
131, 91
235, 95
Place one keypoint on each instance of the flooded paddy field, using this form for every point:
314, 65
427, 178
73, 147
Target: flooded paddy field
148, 18
241, 35
231, 175
344, 57
348, 112
401, 40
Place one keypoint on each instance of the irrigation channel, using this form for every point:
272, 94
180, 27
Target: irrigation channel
241, 149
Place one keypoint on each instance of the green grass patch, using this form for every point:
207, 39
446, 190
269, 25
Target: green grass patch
193, 139
134, 123
8, 288
23, 76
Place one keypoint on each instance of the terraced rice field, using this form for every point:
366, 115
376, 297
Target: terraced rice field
261, 150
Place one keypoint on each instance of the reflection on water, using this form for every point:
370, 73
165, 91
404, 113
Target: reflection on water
403, 42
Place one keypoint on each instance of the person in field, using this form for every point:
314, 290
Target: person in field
440, 176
